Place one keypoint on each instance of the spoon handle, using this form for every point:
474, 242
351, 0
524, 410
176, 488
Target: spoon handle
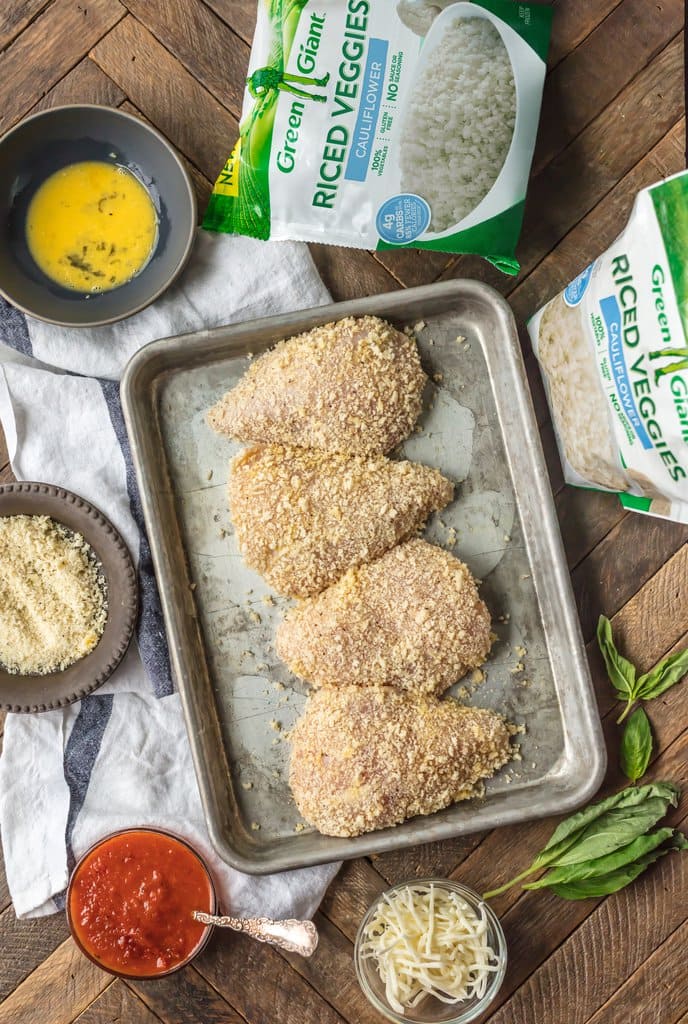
293, 936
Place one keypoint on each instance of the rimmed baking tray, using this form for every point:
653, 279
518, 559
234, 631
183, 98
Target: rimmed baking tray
239, 701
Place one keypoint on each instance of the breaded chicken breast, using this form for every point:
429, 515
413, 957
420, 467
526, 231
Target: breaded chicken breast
353, 386
412, 619
367, 758
303, 517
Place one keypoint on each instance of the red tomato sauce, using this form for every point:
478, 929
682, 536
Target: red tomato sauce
130, 903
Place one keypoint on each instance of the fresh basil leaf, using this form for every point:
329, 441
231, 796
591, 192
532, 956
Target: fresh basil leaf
601, 828
667, 672
636, 746
613, 830
566, 833
570, 830
604, 865
603, 885
620, 671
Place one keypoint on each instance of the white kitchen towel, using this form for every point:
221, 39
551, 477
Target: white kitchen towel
229, 279
120, 757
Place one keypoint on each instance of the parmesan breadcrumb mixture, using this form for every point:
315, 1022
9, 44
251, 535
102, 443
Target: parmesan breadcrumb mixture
52, 596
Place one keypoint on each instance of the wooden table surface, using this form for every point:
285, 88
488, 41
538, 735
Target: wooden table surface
612, 123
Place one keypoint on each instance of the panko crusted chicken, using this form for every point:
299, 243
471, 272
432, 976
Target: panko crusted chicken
413, 619
368, 758
354, 386
303, 517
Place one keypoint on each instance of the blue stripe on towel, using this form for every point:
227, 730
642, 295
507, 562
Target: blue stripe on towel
13, 329
151, 630
83, 747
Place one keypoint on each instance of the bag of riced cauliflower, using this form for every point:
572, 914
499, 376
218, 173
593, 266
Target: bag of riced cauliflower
388, 124
613, 349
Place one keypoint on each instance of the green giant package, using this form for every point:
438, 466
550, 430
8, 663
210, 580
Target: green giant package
613, 350
384, 124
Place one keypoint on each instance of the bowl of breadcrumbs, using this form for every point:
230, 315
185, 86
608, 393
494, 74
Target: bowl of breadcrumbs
68, 597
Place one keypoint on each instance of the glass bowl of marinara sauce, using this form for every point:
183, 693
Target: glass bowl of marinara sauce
130, 901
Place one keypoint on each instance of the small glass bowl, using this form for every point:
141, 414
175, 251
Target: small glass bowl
200, 945
431, 1010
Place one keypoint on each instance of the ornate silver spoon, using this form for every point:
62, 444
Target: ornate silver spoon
295, 936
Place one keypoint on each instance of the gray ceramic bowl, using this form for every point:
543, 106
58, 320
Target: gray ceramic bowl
54, 138
31, 693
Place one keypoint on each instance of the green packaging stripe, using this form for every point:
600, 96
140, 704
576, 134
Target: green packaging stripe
670, 200
485, 239
635, 503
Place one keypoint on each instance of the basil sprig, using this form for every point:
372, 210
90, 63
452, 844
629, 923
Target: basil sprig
602, 848
603, 885
629, 686
605, 846
636, 745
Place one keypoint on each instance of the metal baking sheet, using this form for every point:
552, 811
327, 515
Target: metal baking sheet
239, 700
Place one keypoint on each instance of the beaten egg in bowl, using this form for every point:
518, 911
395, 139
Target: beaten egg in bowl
91, 226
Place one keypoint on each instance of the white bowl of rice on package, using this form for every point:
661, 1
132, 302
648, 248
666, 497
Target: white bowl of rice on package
383, 125
613, 351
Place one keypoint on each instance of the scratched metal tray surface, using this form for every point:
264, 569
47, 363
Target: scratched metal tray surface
240, 702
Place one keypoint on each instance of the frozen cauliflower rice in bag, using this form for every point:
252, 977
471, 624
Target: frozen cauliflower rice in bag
613, 350
382, 124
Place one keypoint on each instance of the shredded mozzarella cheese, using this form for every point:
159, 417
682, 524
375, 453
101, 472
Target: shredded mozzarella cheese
427, 940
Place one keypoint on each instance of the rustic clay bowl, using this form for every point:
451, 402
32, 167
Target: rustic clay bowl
29, 693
